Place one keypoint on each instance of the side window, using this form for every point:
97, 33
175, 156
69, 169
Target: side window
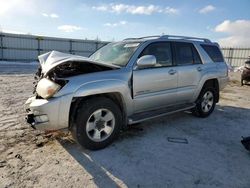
184, 53
213, 52
161, 51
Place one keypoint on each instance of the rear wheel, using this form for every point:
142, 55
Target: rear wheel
97, 123
205, 103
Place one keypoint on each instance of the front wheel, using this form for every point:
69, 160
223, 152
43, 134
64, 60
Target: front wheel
205, 103
97, 123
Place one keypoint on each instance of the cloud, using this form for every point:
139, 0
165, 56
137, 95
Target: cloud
53, 15
169, 10
11, 31
21, 8
69, 28
101, 8
207, 9
132, 9
45, 15
238, 32
12, 7
141, 9
115, 24
234, 27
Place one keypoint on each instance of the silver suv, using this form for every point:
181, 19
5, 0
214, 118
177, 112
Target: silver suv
125, 83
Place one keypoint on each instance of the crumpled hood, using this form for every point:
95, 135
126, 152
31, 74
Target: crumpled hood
52, 59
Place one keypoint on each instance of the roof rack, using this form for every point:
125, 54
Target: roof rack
171, 37
153, 36
184, 37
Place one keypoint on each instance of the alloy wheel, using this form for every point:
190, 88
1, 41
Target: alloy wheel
100, 125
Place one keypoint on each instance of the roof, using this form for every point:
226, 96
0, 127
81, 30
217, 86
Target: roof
169, 37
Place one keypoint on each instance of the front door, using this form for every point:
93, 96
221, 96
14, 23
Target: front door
155, 87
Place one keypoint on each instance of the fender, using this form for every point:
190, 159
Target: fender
207, 76
107, 86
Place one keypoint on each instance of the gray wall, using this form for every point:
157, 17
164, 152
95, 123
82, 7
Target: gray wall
236, 56
15, 47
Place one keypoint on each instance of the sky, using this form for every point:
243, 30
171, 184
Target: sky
224, 21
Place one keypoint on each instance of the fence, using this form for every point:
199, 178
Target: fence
15, 47
236, 56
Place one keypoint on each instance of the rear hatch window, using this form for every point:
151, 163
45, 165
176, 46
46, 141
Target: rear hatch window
213, 52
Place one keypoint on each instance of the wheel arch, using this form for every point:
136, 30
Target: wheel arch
116, 97
214, 83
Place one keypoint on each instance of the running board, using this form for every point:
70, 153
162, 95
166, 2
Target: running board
143, 116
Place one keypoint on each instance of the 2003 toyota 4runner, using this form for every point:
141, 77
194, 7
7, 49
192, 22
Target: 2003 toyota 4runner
125, 83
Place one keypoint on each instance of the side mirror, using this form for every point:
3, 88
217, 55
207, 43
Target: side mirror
146, 61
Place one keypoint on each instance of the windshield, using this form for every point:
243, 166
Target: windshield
117, 53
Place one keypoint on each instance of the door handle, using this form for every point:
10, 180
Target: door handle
172, 71
199, 69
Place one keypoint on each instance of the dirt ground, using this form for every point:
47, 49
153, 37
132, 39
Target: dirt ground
143, 156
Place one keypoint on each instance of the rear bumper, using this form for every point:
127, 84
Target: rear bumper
51, 114
223, 81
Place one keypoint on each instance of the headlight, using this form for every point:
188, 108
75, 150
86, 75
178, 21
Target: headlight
46, 88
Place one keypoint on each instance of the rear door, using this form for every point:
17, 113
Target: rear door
155, 87
190, 70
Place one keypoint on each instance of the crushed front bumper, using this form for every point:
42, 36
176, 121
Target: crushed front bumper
48, 114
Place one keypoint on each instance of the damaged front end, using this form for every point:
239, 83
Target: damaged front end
47, 109
56, 67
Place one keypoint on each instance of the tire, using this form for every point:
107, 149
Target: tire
98, 122
242, 82
206, 103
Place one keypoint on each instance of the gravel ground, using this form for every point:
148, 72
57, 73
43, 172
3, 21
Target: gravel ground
143, 156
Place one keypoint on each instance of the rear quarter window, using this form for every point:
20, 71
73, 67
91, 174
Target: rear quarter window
213, 52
